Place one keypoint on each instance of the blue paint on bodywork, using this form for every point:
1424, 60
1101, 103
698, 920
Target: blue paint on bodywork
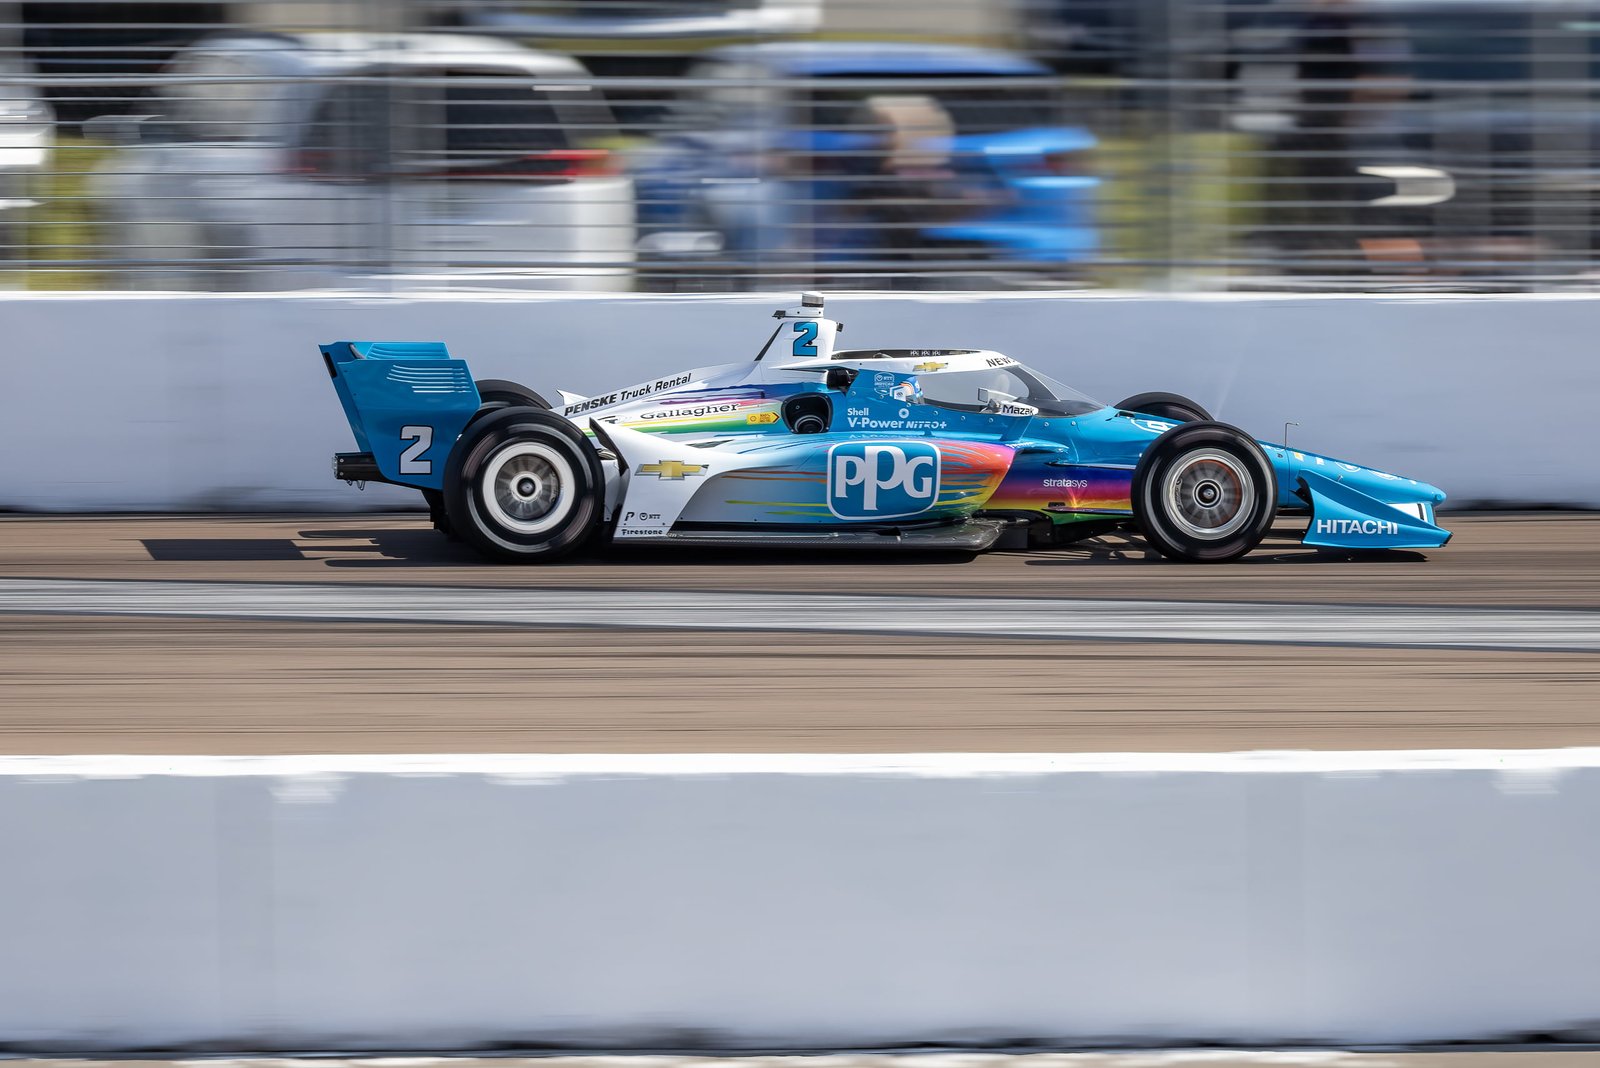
407, 402
1060, 458
887, 402
1343, 517
401, 350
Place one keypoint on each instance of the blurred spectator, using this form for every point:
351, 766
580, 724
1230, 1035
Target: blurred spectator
905, 174
882, 153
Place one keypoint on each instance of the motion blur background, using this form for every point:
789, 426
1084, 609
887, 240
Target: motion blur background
710, 145
853, 871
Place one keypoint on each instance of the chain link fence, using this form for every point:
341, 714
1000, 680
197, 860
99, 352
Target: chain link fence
683, 145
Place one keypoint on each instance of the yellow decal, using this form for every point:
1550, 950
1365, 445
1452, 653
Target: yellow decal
672, 469
931, 365
761, 418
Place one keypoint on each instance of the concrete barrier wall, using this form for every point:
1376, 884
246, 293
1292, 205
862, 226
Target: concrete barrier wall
218, 402
792, 901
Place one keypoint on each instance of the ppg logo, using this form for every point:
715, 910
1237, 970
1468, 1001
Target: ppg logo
882, 481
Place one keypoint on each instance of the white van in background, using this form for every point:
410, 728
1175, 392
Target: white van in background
638, 19
318, 160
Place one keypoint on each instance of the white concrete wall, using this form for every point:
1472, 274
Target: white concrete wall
219, 402
394, 903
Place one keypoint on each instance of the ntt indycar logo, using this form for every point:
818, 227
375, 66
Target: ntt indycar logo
1356, 526
882, 481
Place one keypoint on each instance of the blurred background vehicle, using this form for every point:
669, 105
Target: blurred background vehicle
1443, 142
641, 19
1172, 144
27, 127
91, 55
263, 167
1446, 140
654, 41
863, 161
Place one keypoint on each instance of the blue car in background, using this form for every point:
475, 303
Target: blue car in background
838, 158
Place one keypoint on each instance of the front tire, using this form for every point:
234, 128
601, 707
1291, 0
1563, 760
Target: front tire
523, 485
1204, 492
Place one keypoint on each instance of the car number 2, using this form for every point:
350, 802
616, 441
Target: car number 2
411, 461
805, 338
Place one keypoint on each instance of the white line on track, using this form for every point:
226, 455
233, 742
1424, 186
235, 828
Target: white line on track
1481, 628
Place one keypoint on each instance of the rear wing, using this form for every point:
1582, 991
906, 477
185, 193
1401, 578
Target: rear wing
406, 401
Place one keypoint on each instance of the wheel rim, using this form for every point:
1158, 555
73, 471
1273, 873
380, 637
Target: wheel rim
1209, 495
527, 487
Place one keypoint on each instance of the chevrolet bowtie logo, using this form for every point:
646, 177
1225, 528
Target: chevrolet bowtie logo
673, 469
931, 365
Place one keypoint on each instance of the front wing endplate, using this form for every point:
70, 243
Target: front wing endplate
1343, 517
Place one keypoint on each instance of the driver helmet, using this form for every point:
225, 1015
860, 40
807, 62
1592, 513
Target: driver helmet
908, 392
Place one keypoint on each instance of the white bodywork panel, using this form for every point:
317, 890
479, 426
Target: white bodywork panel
664, 471
663, 475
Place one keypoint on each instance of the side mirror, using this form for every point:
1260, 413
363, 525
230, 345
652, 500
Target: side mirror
839, 378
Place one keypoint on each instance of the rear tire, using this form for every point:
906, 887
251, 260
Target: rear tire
499, 393
523, 485
1178, 409
494, 394
1204, 492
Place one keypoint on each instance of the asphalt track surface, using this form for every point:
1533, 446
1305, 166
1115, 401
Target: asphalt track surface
372, 634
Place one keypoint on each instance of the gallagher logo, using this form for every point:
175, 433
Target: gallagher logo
882, 481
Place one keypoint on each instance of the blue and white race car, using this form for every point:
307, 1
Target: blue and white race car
808, 445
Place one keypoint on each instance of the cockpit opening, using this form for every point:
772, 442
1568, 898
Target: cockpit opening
989, 389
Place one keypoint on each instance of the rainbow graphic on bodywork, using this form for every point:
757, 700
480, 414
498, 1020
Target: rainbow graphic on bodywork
797, 493
834, 444
1058, 489
711, 411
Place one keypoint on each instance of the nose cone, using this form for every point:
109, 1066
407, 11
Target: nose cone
1410, 488
1381, 484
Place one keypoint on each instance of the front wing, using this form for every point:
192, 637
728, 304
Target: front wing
1343, 517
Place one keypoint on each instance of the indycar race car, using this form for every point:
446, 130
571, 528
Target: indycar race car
807, 446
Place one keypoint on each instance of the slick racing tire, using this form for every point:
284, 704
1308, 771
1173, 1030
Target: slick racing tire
1170, 406
498, 393
493, 395
522, 485
1204, 492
